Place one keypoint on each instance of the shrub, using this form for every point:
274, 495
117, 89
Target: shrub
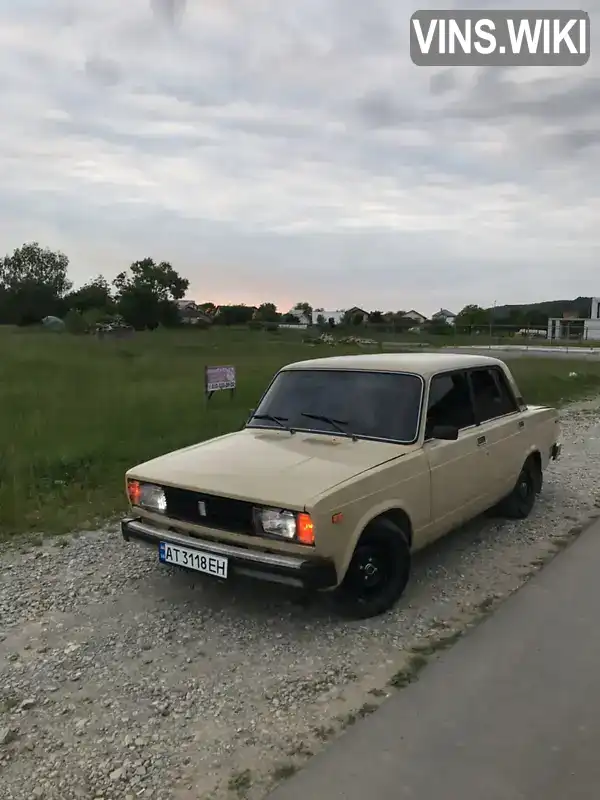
75, 322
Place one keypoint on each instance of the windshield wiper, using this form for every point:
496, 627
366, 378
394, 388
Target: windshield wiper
272, 418
338, 424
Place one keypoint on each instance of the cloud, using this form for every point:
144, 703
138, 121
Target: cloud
284, 150
169, 11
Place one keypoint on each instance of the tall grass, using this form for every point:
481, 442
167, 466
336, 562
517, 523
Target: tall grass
75, 412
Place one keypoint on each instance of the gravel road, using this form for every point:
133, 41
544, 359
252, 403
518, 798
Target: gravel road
120, 678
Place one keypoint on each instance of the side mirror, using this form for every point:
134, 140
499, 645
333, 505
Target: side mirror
447, 432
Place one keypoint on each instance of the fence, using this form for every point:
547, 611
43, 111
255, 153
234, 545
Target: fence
571, 333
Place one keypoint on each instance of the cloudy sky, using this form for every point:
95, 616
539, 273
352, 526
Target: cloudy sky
278, 150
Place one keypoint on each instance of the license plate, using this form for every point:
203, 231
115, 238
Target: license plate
193, 559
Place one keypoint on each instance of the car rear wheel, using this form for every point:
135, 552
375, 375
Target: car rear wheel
520, 502
378, 572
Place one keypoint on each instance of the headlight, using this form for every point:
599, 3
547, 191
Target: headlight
278, 523
147, 495
287, 524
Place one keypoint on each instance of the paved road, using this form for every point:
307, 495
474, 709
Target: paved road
512, 712
573, 353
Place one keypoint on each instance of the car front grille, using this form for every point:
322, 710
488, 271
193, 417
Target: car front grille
222, 513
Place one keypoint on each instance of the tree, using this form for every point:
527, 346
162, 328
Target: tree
95, 295
234, 315
376, 318
32, 263
159, 279
438, 327
33, 283
303, 311
267, 312
147, 292
473, 317
401, 322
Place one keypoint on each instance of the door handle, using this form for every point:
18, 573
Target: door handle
481, 440
521, 424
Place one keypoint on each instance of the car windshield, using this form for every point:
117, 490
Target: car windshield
376, 405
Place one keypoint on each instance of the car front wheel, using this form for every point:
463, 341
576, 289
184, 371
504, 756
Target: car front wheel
378, 572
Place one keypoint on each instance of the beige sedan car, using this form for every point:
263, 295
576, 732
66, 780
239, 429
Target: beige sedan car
346, 467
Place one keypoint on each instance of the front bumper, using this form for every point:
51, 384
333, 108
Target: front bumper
313, 573
555, 451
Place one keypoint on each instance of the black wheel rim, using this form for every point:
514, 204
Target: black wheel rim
370, 572
524, 486
525, 489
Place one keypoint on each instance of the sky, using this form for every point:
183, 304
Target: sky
284, 151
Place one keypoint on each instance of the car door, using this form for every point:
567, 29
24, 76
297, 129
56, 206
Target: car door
458, 469
502, 423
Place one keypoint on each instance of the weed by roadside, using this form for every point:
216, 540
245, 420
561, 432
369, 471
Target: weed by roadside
409, 672
240, 782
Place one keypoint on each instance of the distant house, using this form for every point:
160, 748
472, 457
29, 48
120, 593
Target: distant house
191, 314
301, 316
339, 317
414, 315
443, 315
569, 327
335, 316
356, 312
224, 311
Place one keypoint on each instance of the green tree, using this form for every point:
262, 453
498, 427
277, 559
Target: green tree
146, 294
33, 283
473, 317
267, 312
234, 315
94, 295
401, 322
438, 327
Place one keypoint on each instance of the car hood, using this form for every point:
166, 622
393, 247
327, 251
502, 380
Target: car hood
268, 467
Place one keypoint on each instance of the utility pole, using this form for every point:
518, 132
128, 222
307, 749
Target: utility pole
492, 322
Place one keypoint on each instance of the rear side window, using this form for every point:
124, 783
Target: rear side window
449, 402
491, 394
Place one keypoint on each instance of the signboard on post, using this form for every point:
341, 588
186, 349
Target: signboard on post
216, 379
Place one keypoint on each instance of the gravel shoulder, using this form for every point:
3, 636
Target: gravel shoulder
123, 679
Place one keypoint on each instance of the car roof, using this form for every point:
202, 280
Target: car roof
424, 364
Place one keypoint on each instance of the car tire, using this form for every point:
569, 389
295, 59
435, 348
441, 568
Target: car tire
520, 502
377, 574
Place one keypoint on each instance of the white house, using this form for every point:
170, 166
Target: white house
303, 318
191, 314
414, 315
586, 328
336, 316
445, 315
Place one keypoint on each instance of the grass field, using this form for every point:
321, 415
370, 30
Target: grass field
76, 412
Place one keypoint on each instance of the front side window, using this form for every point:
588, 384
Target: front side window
378, 405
